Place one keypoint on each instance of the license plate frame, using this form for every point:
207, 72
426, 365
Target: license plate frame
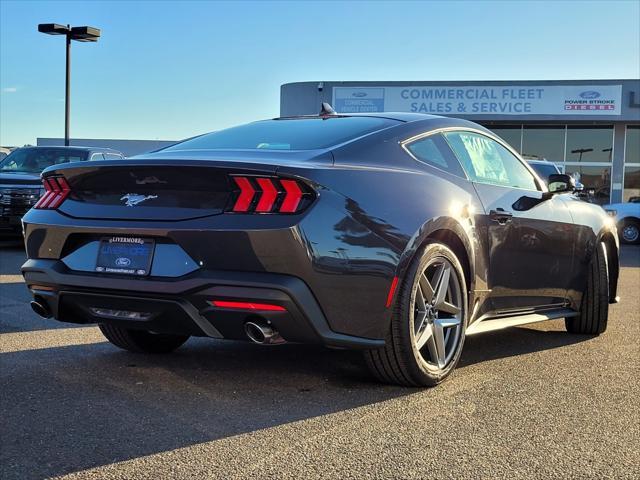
131, 256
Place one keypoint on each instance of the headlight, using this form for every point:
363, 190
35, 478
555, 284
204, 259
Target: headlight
611, 213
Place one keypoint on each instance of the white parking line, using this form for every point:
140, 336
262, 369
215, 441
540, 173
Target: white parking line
53, 338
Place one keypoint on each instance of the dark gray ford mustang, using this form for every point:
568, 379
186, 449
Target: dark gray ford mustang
398, 234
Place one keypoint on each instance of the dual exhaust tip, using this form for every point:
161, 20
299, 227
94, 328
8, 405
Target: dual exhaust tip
263, 334
41, 308
258, 332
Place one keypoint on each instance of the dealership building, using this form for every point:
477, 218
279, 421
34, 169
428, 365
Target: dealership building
588, 127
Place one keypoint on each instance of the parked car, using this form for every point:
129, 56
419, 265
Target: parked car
544, 168
627, 218
20, 184
397, 234
4, 152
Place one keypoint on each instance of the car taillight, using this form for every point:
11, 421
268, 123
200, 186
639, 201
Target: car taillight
269, 195
56, 189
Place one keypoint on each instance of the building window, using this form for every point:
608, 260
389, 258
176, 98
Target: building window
543, 142
595, 178
632, 163
589, 144
512, 134
631, 183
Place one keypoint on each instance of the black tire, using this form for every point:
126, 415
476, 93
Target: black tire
399, 361
629, 232
594, 309
142, 341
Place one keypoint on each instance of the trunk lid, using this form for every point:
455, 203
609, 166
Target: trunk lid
164, 187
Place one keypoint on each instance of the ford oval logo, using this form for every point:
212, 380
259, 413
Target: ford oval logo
359, 94
590, 94
123, 262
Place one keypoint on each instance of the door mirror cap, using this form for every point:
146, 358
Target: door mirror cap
561, 183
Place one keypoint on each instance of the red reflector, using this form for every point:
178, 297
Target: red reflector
392, 291
292, 196
269, 194
246, 194
265, 307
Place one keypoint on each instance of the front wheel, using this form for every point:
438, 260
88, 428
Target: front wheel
594, 308
428, 322
142, 341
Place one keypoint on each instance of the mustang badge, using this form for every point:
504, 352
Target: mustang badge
133, 199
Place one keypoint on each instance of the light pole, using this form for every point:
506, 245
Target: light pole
80, 34
581, 151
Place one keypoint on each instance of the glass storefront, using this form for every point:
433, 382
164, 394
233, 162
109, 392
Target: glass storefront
632, 162
596, 180
512, 134
543, 142
589, 144
631, 183
584, 151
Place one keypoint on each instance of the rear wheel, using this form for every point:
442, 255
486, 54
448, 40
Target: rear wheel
630, 232
594, 309
426, 335
142, 341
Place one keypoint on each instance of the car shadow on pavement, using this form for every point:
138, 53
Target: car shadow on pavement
72, 408
630, 256
512, 342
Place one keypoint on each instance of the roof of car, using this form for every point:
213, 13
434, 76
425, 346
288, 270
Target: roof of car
400, 116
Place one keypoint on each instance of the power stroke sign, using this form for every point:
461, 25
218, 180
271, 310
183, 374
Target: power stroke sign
482, 99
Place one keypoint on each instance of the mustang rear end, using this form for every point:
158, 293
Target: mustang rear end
206, 248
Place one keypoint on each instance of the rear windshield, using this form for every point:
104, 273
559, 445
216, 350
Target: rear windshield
287, 134
34, 160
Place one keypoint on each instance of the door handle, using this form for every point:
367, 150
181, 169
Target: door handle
501, 216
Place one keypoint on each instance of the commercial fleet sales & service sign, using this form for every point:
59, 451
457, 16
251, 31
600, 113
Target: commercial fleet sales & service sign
482, 99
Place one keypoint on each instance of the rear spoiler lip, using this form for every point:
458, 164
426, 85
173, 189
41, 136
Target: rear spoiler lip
271, 163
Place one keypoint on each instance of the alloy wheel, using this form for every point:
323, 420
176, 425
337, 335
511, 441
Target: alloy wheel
630, 233
437, 314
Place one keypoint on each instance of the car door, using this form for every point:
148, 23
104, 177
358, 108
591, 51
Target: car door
526, 236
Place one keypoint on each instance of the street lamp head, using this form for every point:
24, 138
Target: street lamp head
85, 34
80, 34
53, 29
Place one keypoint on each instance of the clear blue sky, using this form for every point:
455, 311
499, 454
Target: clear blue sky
169, 70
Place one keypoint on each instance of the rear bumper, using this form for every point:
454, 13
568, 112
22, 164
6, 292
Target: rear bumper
182, 305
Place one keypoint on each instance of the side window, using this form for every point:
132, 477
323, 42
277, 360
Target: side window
112, 156
486, 161
97, 156
434, 151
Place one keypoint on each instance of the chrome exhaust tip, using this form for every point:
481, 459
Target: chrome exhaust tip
262, 334
41, 309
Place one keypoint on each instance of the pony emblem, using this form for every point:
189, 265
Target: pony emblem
133, 199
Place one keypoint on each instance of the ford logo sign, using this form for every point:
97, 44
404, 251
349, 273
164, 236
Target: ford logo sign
123, 262
359, 94
590, 94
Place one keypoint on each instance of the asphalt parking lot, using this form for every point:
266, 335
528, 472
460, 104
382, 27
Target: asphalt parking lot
530, 402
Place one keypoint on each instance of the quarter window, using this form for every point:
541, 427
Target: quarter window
433, 150
487, 161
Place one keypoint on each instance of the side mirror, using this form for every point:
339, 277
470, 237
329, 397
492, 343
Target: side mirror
561, 183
